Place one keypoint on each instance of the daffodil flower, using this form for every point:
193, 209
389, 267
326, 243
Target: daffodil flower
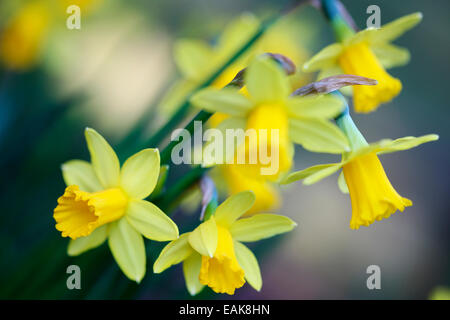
23, 35
267, 104
366, 53
103, 201
197, 59
371, 193
213, 254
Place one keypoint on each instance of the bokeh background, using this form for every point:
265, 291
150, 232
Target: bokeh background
110, 72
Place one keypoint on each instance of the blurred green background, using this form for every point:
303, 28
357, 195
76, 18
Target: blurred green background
110, 72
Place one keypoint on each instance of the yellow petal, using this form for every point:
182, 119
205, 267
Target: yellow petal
151, 221
396, 28
204, 238
104, 160
232, 208
342, 184
249, 264
359, 60
83, 244
318, 135
390, 55
266, 82
80, 173
372, 195
79, 213
313, 174
191, 271
260, 226
176, 251
228, 100
193, 57
127, 247
140, 173
326, 58
318, 106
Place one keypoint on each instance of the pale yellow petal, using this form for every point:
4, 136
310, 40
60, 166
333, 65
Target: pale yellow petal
396, 28
103, 158
318, 135
83, 244
228, 100
313, 174
81, 174
140, 173
342, 184
204, 238
317, 106
266, 82
151, 221
260, 226
324, 59
249, 264
191, 271
390, 55
193, 58
232, 208
127, 248
176, 251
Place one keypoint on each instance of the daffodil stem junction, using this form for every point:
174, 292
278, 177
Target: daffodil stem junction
333, 10
345, 122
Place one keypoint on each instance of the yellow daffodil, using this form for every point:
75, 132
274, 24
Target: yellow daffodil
367, 53
197, 60
269, 105
213, 254
372, 195
103, 201
21, 39
25, 34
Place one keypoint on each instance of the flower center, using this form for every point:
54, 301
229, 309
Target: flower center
79, 213
222, 272
359, 60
